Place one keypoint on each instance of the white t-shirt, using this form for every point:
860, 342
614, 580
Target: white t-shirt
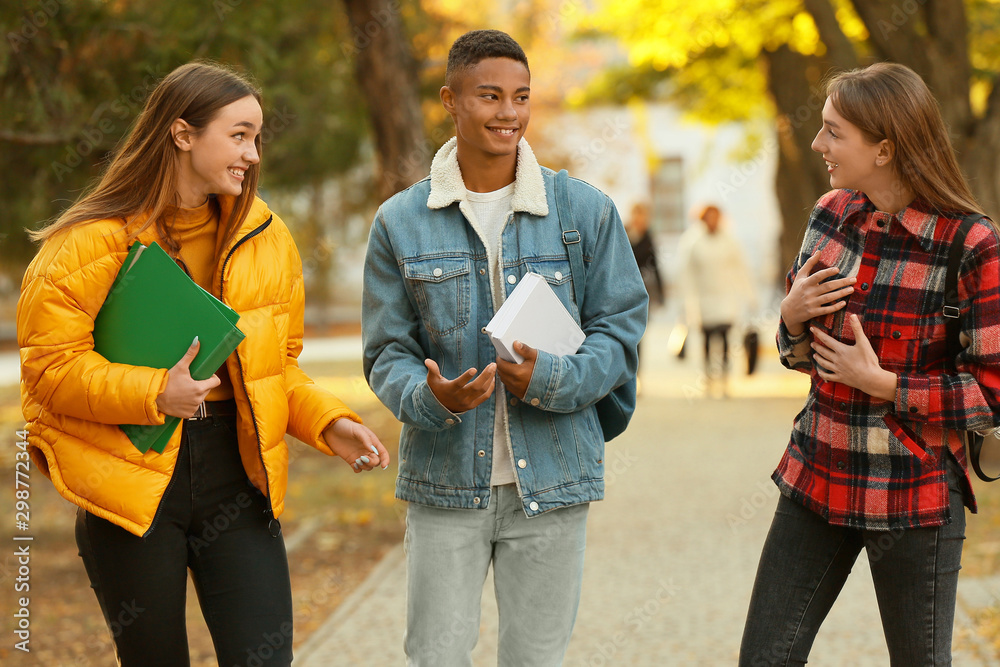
490, 211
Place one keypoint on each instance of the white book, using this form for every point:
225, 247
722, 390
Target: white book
534, 315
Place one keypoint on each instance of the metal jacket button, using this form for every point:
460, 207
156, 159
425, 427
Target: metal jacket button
512, 279
521, 463
533, 506
897, 334
864, 286
437, 273
840, 465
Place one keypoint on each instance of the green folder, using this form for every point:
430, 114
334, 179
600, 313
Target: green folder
152, 313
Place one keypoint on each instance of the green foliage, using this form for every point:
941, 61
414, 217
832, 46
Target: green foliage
704, 56
719, 86
74, 75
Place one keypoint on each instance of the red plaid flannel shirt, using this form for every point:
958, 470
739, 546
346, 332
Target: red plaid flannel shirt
864, 462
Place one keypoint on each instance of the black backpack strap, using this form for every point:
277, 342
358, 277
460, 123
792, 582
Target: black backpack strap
951, 311
953, 328
570, 236
975, 451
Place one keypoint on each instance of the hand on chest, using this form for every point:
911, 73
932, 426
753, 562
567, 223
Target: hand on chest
898, 295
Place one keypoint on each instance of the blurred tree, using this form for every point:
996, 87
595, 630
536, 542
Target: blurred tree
387, 74
742, 59
73, 77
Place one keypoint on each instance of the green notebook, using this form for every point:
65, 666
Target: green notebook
152, 313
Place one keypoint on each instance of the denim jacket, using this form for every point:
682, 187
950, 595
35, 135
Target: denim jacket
427, 294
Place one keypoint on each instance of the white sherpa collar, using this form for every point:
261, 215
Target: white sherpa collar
447, 186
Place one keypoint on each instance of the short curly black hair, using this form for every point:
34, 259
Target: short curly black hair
476, 45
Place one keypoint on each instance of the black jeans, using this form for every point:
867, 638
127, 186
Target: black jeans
720, 331
805, 564
212, 521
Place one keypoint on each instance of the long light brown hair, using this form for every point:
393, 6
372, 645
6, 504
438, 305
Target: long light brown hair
891, 101
140, 181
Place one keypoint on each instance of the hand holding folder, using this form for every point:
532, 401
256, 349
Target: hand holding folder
149, 318
183, 395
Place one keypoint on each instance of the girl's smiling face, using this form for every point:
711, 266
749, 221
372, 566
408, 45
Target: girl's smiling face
852, 162
213, 159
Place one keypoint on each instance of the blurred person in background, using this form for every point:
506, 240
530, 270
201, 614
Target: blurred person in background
717, 291
644, 250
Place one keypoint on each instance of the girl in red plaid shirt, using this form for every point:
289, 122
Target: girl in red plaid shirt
876, 459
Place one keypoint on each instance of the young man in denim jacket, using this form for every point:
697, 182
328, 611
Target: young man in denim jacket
499, 463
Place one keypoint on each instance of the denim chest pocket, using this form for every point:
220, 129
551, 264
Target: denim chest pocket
557, 274
441, 288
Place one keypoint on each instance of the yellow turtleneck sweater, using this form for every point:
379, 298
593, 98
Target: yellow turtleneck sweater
196, 230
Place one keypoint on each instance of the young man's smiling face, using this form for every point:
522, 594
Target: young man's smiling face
490, 106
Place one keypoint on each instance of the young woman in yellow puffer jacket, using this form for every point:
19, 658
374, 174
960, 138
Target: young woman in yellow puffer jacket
186, 178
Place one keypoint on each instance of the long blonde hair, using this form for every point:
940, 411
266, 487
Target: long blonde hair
141, 176
891, 101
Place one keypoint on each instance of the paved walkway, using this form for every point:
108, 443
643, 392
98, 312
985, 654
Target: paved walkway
673, 549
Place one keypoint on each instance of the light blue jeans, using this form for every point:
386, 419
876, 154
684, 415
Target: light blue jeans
537, 572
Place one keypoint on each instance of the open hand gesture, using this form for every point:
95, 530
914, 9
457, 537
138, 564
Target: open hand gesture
464, 392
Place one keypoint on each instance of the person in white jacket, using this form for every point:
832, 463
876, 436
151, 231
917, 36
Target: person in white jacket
717, 290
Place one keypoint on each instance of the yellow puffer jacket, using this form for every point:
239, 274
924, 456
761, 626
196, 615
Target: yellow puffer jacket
73, 398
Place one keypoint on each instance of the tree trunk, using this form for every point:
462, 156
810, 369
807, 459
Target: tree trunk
794, 82
839, 51
385, 70
979, 155
801, 178
932, 39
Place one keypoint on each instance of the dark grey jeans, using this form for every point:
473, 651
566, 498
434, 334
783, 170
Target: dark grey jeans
805, 564
213, 522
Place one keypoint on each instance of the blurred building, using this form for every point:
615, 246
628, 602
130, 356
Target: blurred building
641, 152
648, 152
